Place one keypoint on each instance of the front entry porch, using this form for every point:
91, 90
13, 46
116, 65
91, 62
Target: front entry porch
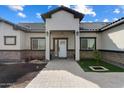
62, 44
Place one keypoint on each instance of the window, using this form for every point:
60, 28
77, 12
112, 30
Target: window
38, 43
9, 40
88, 43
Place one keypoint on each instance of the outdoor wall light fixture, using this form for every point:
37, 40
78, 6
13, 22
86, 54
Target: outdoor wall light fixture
47, 33
77, 33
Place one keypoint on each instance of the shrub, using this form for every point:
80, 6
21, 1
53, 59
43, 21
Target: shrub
97, 56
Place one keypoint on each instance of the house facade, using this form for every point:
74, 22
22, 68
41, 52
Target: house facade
62, 35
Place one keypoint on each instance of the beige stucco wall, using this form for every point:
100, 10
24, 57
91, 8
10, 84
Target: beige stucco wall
7, 30
97, 35
62, 20
113, 39
22, 38
28, 38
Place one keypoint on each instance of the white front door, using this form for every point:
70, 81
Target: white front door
62, 48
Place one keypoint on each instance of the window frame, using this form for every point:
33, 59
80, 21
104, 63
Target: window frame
36, 38
87, 38
5, 38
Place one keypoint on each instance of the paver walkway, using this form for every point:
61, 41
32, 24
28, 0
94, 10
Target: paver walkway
67, 73
61, 73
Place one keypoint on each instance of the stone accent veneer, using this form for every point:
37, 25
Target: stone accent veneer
10, 55
114, 57
86, 54
71, 54
33, 54
17, 55
21, 55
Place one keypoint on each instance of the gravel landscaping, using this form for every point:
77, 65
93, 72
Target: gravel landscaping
19, 74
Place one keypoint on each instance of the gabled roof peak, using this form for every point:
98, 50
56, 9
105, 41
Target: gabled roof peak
75, 13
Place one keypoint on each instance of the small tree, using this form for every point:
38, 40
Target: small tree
97, 56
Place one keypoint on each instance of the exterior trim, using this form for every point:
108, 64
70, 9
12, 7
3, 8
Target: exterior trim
9, 37
86, 50
23, 50
112, 27
68, 50
71, 49
116, 51
113, 24
62, 30
36, 38
35, 32
15, 26
87, 38
89, 31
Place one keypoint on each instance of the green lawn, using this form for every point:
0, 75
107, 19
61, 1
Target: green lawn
90, 62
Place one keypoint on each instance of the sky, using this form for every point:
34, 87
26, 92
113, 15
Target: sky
31, 13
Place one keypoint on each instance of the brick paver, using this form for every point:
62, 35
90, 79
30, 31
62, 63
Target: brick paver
67, 73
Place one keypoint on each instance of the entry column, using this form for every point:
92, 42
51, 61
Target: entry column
77, 46
47, 52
